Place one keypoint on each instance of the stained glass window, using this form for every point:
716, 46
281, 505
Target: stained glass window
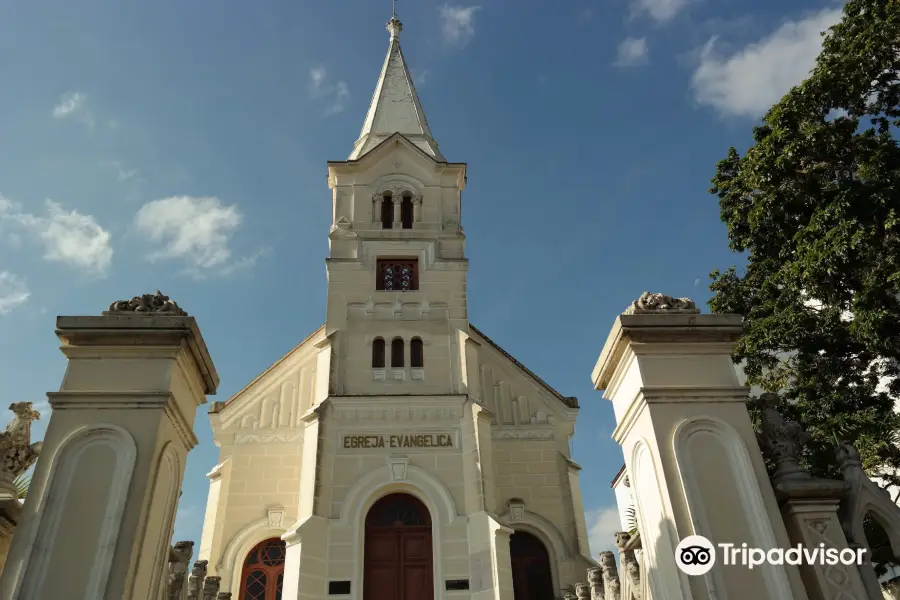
263, 573
397, 275
398, 510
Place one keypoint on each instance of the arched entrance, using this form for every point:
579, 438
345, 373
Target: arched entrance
532, 578
262, 577
398, 551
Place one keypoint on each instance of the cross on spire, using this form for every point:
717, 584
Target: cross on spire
394, 8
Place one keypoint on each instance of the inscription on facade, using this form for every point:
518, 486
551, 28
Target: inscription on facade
411, 440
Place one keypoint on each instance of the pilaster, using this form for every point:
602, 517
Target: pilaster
810, 511
490, 563
105, 489
306, 565
809, 506
690, 449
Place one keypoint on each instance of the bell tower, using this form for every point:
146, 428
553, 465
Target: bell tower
397, 316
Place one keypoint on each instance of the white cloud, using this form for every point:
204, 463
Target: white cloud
339, 100
122, 173
13, 292
420, 76
73, 105
658, 10
748, 82
601, 525
68, 237
42, 406
632, 52
194, 230
336, 95
458, 23
317, 77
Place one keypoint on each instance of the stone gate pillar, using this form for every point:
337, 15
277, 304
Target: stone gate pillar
101, 508
690, 450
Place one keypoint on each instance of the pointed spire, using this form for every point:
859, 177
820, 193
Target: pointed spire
395, 106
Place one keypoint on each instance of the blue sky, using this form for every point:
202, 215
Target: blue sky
182, 146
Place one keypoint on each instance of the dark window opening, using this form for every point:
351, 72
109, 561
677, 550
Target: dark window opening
378, 353
457, 584
338, 588
387, 212
406, 212
416, 354
397, 275
397, 352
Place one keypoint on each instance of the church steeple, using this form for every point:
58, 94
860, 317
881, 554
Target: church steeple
395, 106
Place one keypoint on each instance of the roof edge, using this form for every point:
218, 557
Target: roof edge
618, 476
568, 401
234, 396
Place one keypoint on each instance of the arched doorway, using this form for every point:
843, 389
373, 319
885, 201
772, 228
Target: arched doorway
532, 578
398, 551
262, 577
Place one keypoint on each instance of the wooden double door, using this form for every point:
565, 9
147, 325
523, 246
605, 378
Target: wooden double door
398, 550
532, 577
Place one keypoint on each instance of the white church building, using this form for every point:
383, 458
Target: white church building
397, 452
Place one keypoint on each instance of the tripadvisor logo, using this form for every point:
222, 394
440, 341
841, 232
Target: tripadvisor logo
696, 555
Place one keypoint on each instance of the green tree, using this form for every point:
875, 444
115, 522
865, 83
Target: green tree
22, 483
815, 205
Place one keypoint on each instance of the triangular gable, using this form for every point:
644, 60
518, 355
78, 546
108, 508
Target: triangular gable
274, 365
382, 144
568, 401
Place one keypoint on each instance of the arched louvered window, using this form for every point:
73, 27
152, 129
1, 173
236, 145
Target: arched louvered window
387, 211
397, 352
378, 353
416, 353
262, 577
406, 212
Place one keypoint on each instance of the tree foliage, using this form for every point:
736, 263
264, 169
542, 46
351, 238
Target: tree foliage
22, 483
815, 205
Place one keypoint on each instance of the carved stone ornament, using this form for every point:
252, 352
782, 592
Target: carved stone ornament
148, 304
223, 596
397, 189
276, 517
582, 591
195, 581
781, 441
16, 449
629, 562
595, 580
211, 587
179, 559
655, 303
517, 510
610, 574
399, 465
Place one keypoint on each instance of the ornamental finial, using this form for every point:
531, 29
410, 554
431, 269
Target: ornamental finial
394, 26
17, 452
781, 440
157, 304
656, 303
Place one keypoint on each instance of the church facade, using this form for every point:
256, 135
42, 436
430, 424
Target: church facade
397, 453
